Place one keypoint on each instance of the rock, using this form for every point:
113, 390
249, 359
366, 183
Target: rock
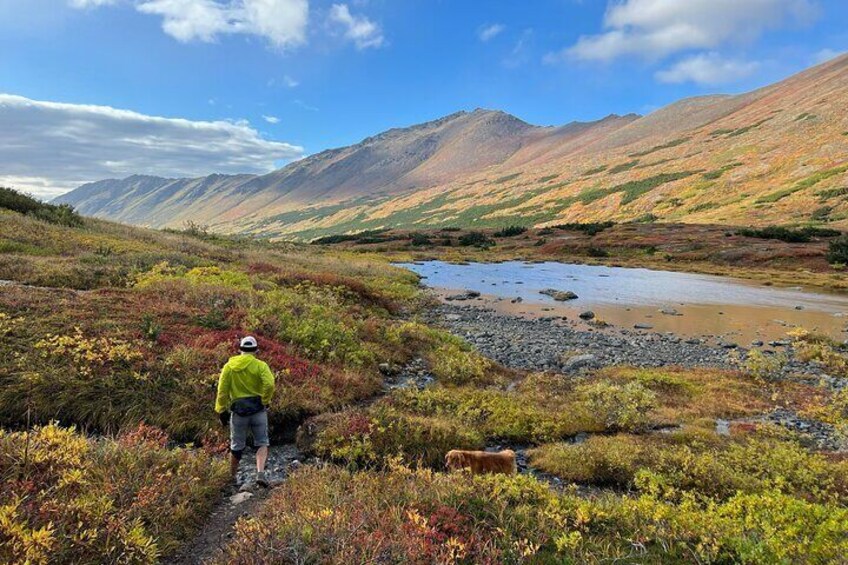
240, 497
670, 312
641, 326
799, 307
756, 343
384, 368
559, 295
579, 362
587, 315
467, 295
517, 300
295, 465
727, 345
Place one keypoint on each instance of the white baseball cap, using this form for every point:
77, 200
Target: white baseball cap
248, 343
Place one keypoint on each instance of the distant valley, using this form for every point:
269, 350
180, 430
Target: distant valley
775, 155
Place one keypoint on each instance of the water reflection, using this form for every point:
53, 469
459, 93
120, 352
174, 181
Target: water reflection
705, 305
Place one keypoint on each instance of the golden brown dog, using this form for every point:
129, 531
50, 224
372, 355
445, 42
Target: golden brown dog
481, 462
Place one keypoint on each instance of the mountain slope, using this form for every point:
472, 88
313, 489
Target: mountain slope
775, 155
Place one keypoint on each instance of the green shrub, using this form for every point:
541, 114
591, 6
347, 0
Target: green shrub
419, 239
476, 239
510, 231
618, 407
459, 365
418, 516
598, 252
789, 235
372, 437
62, 214
314, 319
589, 228
837, 251
70, 499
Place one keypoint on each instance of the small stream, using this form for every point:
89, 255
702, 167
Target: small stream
689, 305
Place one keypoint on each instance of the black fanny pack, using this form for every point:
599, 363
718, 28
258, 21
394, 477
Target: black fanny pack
247, 406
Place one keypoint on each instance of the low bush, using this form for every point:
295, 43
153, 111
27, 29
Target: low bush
698, 462
367, 438
590, 228
510, 231
70, 499
368, 236
618, 407
789, 235
399, 515
61, 214
316, 320
837, 251
420, 239
475, 239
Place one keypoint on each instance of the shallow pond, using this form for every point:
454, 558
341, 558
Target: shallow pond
719, 308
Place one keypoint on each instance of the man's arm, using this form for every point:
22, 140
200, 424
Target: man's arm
222, 401
267, 384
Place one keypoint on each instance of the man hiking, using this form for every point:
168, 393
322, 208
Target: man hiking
245, 389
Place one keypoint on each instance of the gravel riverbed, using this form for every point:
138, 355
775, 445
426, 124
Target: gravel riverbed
553, 344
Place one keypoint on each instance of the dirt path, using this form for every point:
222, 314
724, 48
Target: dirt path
241, 500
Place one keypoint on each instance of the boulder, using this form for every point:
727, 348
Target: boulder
559, 295
587, 315
578, 362
467, 295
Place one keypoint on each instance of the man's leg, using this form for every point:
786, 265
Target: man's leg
261, 458
238, 438
259, 427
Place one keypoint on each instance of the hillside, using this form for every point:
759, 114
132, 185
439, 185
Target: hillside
775, 155
113, 339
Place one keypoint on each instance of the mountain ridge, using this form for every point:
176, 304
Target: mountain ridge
705, 159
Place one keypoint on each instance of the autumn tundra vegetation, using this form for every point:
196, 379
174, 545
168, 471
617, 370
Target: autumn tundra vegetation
111, 339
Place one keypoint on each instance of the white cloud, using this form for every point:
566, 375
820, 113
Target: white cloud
281, 22
51, 147
363, 32
826, 55
271, 119
82, 4
658, 28
489, 32
707, 69
286, 81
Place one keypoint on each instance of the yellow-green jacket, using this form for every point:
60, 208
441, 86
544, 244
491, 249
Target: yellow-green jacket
244, 375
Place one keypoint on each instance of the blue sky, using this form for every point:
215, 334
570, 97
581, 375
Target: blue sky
246, 85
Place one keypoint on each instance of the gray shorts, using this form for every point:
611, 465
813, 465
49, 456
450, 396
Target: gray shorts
258, 426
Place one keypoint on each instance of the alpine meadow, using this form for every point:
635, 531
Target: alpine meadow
233, 331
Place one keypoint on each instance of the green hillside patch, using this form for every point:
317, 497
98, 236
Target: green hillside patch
623, 167
630, 190
729, 132
704, 206
832, 193
548, 178
669, 145
808, 182
597, 170
506, 178
634, 189
718, 173
654, 164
